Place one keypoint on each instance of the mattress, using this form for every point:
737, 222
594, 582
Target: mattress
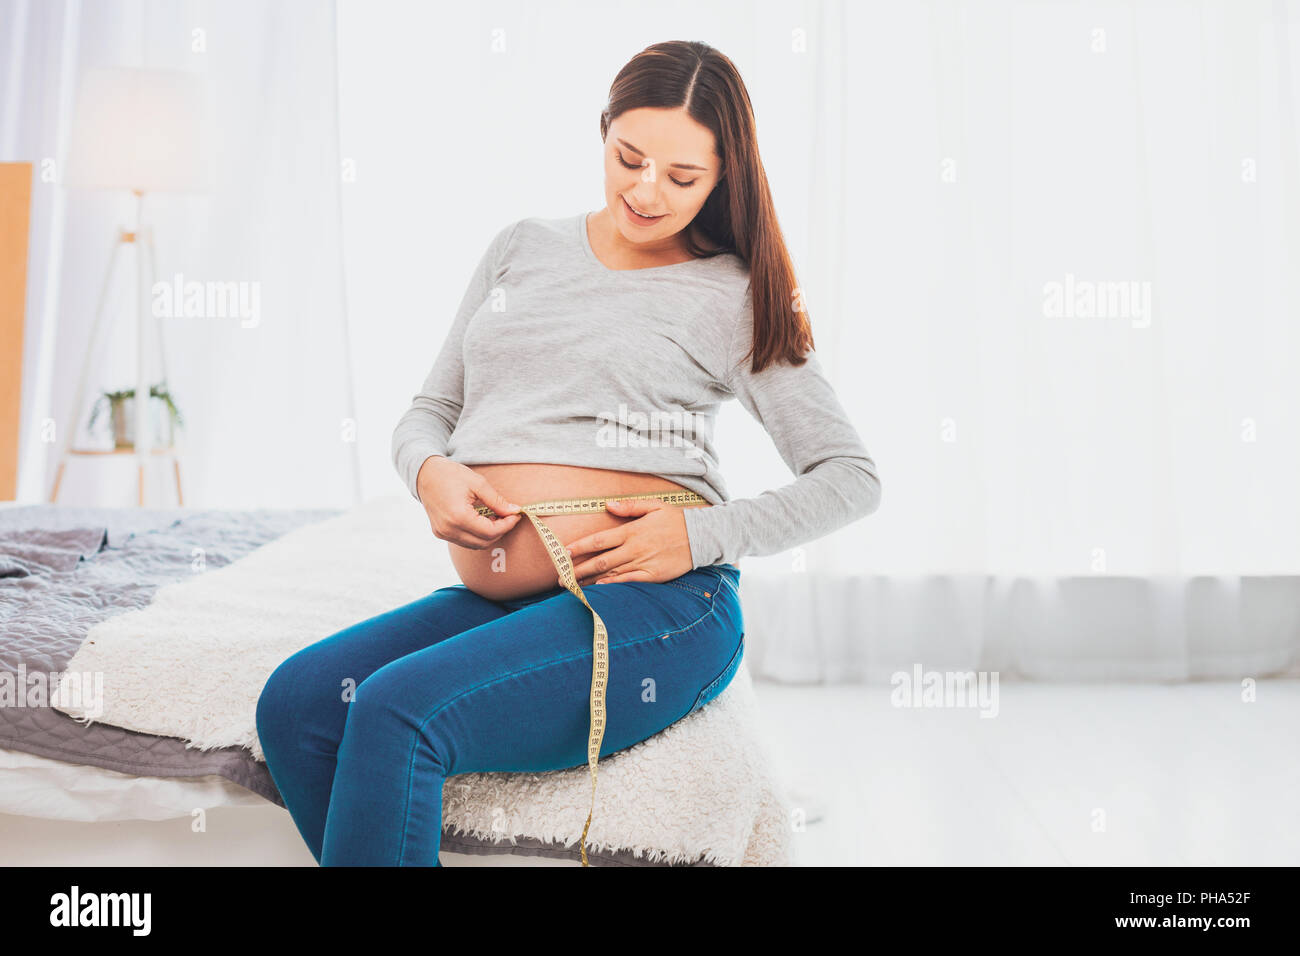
57, 790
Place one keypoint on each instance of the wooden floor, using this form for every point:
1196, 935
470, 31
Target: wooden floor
1069, 775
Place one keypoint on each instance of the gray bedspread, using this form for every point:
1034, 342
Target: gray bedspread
63, 569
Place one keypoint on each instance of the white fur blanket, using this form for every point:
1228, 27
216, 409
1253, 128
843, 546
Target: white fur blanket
193, 663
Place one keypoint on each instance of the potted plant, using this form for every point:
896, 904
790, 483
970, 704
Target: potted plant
121, 405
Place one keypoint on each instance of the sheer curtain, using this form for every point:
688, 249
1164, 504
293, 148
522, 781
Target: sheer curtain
267, 401
1054, 252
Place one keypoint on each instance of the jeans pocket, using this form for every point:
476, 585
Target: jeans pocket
719, 683
702, 582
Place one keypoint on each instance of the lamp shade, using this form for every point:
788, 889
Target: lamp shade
138, 129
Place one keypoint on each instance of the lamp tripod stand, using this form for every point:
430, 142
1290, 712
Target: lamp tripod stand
142, 448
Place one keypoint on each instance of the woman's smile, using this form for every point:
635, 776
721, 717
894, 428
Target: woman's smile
637, 216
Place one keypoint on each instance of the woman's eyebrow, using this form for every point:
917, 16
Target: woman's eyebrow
703, 169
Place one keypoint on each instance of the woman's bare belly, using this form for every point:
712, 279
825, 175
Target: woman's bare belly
516, 564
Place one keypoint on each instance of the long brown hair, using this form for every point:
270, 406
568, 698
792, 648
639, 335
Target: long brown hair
739, 215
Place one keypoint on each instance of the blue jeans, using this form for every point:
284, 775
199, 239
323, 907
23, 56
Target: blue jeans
360, 730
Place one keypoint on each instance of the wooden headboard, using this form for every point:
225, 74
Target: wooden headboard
15, 215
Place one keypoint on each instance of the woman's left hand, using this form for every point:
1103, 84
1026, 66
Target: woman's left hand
653, 547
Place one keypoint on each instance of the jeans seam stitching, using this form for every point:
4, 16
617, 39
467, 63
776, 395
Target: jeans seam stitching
419, 730
698, 592
735, 657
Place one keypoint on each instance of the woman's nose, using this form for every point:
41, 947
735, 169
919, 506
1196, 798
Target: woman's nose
646, 197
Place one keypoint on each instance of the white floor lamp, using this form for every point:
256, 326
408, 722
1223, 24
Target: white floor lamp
138, 130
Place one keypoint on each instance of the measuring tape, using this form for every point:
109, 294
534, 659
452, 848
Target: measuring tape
600, 638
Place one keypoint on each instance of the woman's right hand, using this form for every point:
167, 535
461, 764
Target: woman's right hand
450, 492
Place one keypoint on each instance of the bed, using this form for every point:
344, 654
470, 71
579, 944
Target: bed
65, 572
62, 570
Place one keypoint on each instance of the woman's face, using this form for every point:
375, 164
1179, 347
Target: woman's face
673, 170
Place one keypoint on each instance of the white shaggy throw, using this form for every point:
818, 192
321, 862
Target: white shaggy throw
193, 663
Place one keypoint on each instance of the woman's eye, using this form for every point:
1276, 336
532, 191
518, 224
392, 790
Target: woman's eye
639, 165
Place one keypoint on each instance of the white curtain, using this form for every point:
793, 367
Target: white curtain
1072, 489
1068, 492
268, 401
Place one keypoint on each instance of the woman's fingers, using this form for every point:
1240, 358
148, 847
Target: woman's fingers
601, 540
488, 529
480, 526
477, 531
623, 576
492, 498
603, 563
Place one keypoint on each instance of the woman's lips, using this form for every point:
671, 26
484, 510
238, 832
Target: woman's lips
633, 216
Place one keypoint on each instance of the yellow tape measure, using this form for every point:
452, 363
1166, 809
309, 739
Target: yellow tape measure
600, 637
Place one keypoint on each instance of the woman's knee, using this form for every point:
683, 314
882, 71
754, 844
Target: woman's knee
389, 693
295, 687
402, 699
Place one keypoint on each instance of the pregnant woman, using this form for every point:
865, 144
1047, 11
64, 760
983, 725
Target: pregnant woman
587, 360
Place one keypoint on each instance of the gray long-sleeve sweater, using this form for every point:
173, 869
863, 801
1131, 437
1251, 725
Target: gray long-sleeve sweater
554, 357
